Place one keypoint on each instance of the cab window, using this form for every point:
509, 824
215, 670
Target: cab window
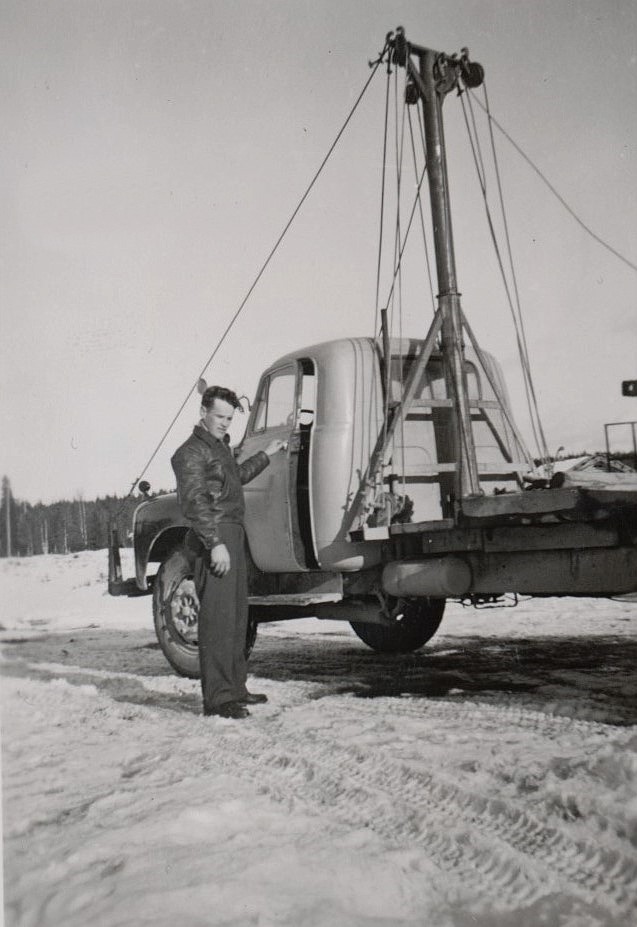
433, 379
275, 403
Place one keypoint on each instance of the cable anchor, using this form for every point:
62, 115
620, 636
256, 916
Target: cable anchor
381, 54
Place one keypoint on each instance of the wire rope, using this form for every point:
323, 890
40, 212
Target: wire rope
396, 290
555, 193
404, 110
518, 327
382, 198
404, 242
544, 445
422, 218
381, 232
260, 273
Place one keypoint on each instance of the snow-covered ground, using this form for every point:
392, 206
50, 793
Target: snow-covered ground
488, 780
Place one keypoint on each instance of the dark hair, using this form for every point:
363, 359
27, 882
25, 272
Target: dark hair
220, 392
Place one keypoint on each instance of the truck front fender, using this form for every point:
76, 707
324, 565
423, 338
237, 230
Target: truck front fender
158, 527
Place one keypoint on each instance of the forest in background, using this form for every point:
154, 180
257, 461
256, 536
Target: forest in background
62, 527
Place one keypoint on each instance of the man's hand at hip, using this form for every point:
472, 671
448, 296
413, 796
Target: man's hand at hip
220, 560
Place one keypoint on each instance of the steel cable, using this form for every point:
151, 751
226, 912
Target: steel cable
422, 218
536, 425
382, 200
544, 445
555, 193
234, 318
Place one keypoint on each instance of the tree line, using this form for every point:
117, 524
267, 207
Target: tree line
62, 527
78, 524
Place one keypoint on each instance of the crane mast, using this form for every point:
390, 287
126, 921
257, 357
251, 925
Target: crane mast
429, 82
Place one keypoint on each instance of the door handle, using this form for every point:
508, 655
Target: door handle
294, 442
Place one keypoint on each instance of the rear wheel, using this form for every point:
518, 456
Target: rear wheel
176, 615
415, 621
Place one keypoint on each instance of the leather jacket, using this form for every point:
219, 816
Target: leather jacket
209, 483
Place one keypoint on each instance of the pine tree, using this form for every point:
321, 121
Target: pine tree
7, 519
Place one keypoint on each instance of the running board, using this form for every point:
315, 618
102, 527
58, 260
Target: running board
299, 599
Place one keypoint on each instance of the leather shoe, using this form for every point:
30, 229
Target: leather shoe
235, 710
254, 698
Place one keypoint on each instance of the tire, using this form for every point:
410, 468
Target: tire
176, 613
416, 622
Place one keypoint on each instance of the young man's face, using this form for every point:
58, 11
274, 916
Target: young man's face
218, 417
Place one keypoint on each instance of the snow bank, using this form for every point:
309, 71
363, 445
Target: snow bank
63, 592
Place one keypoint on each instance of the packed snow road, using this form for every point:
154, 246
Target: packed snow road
489, 779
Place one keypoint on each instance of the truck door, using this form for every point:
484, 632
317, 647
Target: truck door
272, 510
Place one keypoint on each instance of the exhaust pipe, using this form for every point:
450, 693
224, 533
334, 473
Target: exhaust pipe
438, 577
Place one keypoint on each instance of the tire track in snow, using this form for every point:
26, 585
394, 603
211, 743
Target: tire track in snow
492, 847
580, 862
506, 709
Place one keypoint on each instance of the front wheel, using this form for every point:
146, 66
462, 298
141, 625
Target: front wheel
415, 621
176, 615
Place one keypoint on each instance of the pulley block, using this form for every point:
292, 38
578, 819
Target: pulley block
412, 94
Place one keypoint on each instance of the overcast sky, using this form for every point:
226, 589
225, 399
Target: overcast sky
155, 148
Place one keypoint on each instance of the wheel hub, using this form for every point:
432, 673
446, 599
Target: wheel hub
184, 611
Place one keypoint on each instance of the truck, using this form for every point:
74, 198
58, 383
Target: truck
405, 479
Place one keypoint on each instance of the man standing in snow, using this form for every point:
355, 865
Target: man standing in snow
209, 486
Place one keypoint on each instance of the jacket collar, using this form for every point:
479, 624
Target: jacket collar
204, 435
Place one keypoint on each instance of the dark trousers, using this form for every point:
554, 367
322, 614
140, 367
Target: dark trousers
223, 622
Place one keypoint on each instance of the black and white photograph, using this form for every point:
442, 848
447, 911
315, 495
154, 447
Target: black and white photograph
318, 518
